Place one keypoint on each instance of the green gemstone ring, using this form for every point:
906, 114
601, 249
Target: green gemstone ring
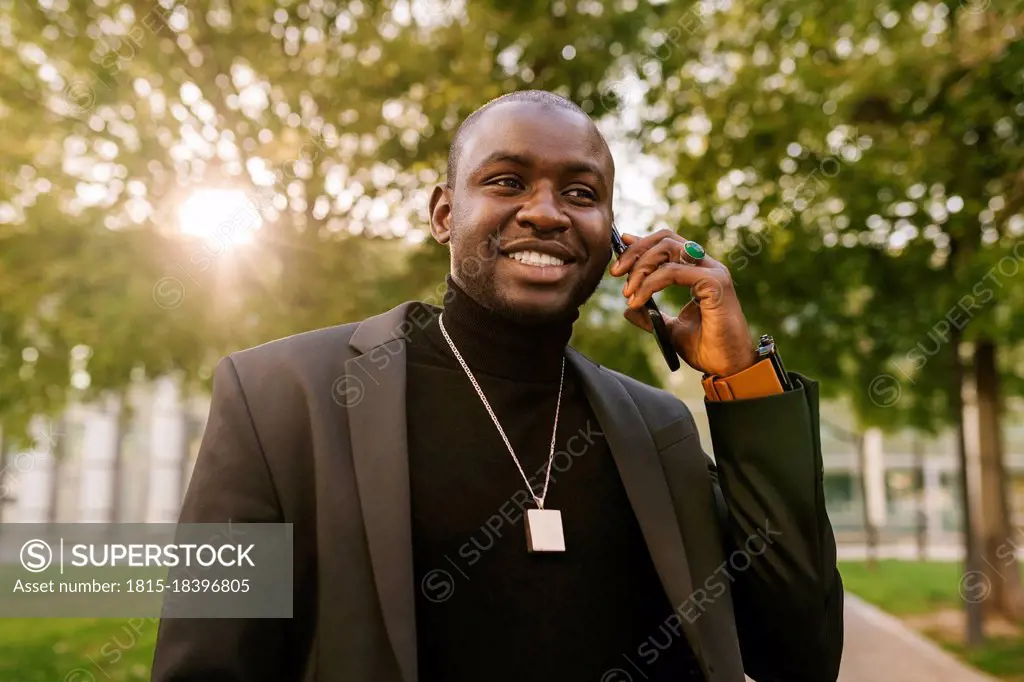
692, 253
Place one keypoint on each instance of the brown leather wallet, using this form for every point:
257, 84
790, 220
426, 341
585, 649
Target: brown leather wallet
757, 381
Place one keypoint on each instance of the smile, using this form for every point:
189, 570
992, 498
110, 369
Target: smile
535, 259
533, 268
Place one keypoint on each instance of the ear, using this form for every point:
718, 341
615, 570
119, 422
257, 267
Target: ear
441, 214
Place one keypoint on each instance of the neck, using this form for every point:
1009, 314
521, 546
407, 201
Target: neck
498, 345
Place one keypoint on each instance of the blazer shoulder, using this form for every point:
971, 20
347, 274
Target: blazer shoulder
658, 406
305, 348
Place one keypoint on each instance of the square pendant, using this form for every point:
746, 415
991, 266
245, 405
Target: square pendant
544, 530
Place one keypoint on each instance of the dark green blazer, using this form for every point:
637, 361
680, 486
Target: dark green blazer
311, 430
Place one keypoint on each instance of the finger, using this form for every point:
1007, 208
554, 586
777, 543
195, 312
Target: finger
711, 263
618, 267
640, 318
707, 261
689, 317
710, 292
665, 251
712, 287
636, 246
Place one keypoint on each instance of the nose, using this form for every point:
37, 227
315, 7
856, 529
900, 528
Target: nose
542, 211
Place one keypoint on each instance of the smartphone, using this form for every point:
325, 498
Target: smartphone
668, 351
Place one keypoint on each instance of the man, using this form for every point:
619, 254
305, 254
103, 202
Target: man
474, 500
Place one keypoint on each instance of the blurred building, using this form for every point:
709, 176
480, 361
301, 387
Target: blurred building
916, 488
99, 463
920, 487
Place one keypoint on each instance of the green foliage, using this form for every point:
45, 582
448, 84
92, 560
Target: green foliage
604, 335
333, 117
857, 166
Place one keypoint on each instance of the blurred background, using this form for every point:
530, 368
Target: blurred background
182, 179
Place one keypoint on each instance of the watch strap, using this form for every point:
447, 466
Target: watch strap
757, 381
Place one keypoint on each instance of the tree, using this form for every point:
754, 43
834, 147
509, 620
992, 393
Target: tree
858, 165
334, 119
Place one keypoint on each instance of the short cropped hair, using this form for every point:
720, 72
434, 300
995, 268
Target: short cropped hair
540, 96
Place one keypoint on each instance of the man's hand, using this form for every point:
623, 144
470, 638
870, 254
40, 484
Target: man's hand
710, 333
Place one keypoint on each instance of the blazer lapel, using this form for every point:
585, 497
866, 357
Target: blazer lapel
644, 479
374, 395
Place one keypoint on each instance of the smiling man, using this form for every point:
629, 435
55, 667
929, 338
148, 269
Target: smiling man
550, 270
473, 499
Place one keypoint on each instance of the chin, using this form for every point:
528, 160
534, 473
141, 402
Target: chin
537, 306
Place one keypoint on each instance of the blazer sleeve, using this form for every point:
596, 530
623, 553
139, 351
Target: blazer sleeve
789, 602
231, 481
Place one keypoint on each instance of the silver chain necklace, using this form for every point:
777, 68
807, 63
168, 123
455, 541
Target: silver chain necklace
543, 526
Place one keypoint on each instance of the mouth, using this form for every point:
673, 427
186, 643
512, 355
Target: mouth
539, 267
537, 259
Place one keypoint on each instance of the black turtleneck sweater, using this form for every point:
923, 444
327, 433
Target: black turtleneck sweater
486, 608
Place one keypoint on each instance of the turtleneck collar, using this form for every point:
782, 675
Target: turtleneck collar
494, 344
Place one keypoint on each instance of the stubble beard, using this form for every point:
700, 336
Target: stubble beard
479, 282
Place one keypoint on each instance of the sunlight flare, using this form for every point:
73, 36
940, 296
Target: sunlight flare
226, 216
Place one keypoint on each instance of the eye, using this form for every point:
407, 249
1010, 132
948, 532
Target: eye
508, 181
582, 193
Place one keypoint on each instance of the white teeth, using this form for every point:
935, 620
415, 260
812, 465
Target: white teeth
535, 258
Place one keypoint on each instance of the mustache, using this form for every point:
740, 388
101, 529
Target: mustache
498, 241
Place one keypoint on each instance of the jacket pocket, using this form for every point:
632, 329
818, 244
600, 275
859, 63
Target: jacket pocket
673, 432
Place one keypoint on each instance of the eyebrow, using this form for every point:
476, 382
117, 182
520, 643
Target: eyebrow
525, 162
506, 157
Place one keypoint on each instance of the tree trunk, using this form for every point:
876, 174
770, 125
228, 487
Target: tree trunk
998, 549
870, 531
922, 500
189, 426
117, 482
971, 591
4, 492
56, 463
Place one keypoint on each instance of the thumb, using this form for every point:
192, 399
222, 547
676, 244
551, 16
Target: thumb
639, 317
688, 320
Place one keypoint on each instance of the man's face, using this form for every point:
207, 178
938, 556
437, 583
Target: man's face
529, 218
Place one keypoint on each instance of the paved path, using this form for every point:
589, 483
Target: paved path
879, 648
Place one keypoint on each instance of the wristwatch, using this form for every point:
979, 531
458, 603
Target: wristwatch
767, 376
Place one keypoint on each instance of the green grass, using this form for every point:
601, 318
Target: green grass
1001, 657
916, 588
904, 588
76, 650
